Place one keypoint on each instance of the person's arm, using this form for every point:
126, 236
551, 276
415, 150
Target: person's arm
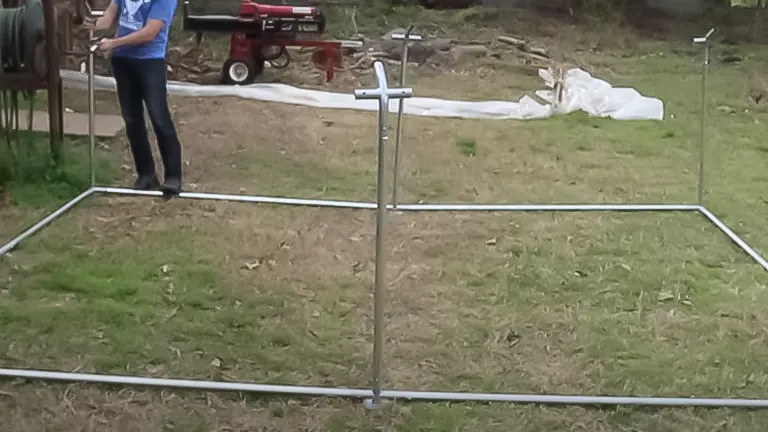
160, 14
108, 19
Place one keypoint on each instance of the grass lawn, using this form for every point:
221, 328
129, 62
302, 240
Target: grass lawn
624, 304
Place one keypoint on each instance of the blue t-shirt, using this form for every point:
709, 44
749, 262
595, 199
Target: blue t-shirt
134, 15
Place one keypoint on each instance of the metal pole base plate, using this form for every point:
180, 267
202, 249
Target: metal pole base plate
377, 405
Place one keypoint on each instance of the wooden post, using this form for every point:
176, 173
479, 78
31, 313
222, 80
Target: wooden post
66, 44
55, 108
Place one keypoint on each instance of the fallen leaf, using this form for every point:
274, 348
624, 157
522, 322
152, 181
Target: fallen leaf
357, 266
216, 362
176, 352
513, 338
253, 265
750, 379
665, 296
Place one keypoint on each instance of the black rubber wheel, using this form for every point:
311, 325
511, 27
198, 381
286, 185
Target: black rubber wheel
271, 52
241, 72
281, 62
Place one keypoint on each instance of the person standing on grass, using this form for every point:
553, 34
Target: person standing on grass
138, 64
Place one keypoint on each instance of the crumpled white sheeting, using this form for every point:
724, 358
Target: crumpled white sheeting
581, 92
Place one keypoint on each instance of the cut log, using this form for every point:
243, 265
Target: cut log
509, 40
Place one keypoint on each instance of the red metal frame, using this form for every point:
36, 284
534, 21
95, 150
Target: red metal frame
245, 47
249, 9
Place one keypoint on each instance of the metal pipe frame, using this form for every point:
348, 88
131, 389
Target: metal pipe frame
376, 393
374, 396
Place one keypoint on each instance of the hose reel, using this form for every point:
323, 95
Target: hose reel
22, 39
22, 50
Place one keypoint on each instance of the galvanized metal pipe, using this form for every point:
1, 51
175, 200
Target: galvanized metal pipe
243, 198
91, 108
702, 126
380, 282
548, 207
406, 38
222, 386
382, 93
574, 400
257, 199
735, 238
44, 222
170, 383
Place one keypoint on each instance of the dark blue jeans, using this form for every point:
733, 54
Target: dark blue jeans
140, 82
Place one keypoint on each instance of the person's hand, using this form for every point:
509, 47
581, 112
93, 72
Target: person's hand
107, 44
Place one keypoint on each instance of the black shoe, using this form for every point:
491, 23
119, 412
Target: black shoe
171, 186
146, 182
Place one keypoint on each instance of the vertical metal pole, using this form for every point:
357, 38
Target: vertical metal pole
383, 93
91, 109
407, 37
702, 137
381, 261
53, 78
703, 126
400, 107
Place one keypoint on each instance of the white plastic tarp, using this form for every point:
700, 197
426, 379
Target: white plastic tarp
581, 92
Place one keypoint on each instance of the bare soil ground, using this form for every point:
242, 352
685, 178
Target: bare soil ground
631, 304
